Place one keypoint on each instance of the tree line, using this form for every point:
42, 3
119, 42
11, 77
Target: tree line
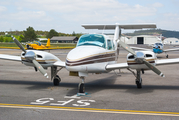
165, 33
30, 35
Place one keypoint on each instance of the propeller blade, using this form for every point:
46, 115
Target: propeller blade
154, 69
126, 47
40, 68
18, 44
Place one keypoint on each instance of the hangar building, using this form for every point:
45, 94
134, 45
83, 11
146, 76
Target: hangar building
143, 39
64, 39
171, 41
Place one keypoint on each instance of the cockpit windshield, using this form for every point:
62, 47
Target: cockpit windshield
158, 44
92, 39
37, 42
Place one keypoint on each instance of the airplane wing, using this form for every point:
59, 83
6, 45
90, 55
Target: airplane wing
158, 62
167, 50
59, 64
116, 66
128, 26
166, 61
10, 57
137, 48
18, 58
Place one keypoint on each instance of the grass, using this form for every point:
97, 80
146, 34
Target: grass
62, 45
8, 45
52, 45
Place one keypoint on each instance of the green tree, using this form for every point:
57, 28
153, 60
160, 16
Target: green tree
1, 39
52, 33
7, 39
29, 34
20, 38
73, 34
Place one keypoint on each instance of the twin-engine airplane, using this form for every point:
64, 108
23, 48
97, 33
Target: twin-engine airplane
94, 53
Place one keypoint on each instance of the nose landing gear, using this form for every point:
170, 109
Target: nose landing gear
81, 86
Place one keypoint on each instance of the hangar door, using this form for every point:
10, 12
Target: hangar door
140, 40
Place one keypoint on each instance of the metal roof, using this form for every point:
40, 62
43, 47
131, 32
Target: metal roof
69, 38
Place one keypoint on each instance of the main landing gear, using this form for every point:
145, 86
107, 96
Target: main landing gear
138, 79
166, 55
56, 79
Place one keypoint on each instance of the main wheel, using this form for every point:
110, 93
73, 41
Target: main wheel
139, 84
56, 80
81, 88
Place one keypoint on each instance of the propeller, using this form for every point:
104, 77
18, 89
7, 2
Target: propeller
139, 58
30, 56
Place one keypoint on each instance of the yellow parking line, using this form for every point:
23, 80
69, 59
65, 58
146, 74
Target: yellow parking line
90, 109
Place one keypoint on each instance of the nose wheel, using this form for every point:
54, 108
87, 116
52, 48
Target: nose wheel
81, 86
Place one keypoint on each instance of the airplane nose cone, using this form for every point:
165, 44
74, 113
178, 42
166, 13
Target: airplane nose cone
83, 52
82, 56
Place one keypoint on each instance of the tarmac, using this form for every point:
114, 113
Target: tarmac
26, 94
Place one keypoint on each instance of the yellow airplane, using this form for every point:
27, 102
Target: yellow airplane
38, 46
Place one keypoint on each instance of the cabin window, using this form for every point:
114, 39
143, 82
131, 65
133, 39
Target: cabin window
92, 40
158, 44
109, 44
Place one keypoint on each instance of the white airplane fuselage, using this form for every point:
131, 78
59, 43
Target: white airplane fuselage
90, 59
92, 54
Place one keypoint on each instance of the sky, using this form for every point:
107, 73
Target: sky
67, 16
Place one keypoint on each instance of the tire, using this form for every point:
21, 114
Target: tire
139, 85
58, 78
55, 81
81, 88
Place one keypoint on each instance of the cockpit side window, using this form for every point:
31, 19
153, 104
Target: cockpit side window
37, 43
159, 44
109, 42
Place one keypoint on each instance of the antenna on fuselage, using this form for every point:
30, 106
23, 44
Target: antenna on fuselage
103, 29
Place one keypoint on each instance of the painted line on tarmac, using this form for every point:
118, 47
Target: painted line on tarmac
133, 112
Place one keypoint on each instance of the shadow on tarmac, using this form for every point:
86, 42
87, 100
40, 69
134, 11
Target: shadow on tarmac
92, 87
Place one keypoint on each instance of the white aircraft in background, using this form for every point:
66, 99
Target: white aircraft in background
94, 53
158, 48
